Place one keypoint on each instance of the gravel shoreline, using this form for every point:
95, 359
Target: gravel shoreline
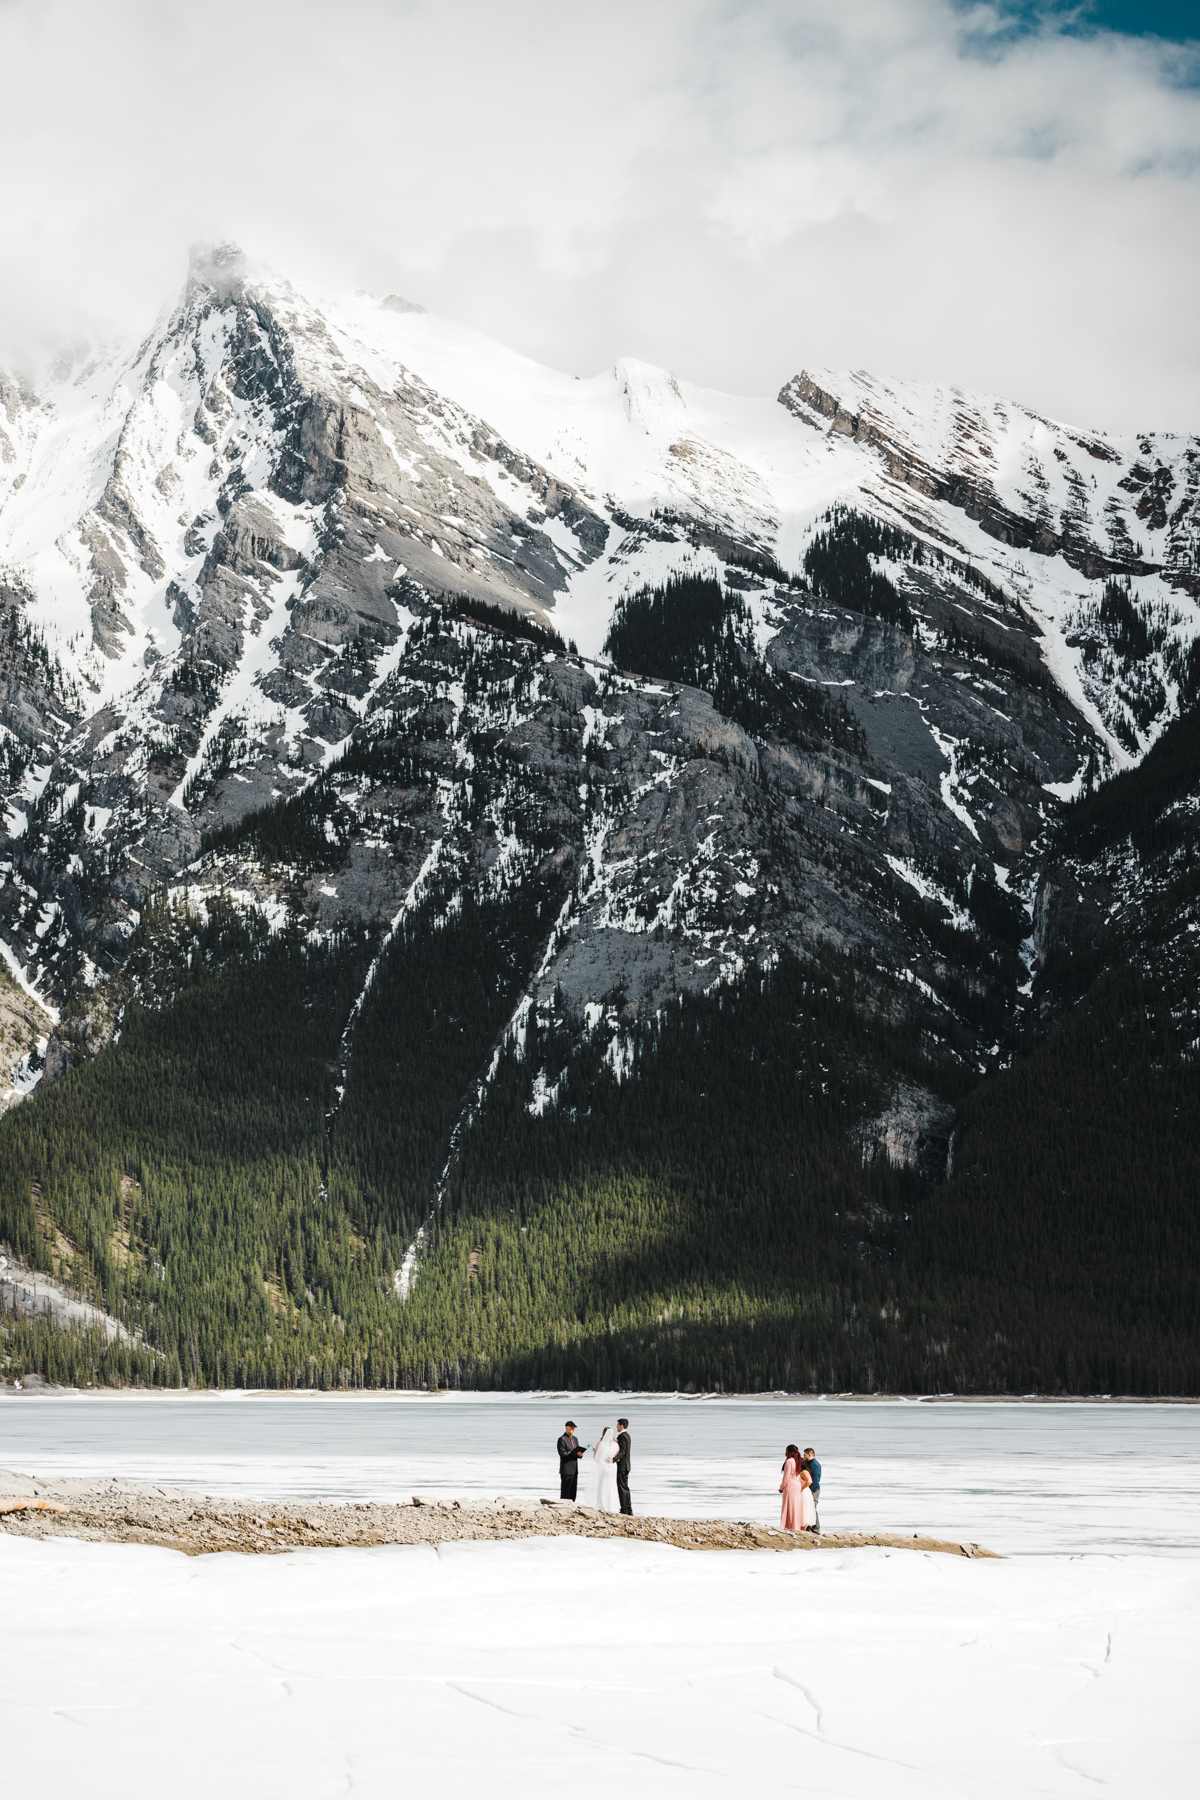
115, 1512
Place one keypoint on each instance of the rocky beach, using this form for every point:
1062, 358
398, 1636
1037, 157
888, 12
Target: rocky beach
117, 1512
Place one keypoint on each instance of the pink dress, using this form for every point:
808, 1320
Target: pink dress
798, 1511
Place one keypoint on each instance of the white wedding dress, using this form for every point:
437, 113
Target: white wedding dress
604, 1464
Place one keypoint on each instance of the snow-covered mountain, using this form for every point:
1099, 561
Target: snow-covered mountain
471, 831
215, 548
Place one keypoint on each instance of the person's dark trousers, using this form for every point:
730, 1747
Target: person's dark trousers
624, 1464
569, 1484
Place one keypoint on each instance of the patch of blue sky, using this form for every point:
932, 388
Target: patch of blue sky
990, 31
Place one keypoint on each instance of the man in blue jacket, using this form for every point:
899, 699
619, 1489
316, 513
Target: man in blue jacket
814, 1469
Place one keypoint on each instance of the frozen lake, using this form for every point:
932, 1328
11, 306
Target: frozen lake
513, 1668
1019, 1477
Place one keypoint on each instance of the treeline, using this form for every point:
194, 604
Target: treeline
207, 1182
1062, 1255
704, 1221
718, 1215
1137, 630
1141, 803
710, 1221
428, 1026
306, 831
177, 1177
977, 645
509, 621
77, 1355
692, 630
837, 563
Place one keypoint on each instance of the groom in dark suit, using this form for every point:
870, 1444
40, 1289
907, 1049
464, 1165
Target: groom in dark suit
624, 1461
569, 1452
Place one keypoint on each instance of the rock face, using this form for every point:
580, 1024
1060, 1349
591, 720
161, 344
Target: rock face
31, 1294
24, 1032
233, 570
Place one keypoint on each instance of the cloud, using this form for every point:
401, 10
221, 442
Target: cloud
732, 189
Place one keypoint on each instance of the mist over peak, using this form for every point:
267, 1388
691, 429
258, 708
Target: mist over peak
766, 193
222, 267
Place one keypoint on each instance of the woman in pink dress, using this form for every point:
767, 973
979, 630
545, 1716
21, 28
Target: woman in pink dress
798, 1511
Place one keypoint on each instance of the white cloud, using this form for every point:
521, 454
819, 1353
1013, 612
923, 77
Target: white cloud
732, 189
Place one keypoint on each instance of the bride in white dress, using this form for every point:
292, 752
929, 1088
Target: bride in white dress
604, 1461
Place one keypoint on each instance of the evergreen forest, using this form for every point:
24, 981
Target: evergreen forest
707, 1222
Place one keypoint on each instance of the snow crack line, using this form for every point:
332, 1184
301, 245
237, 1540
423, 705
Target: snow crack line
819, 1734
578, 1731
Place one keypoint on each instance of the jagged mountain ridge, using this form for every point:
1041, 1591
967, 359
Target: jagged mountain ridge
237, 572
212, 535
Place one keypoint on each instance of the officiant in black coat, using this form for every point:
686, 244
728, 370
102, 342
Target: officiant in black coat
569, 1452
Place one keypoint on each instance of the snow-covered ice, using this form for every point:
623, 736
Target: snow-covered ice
526, 1668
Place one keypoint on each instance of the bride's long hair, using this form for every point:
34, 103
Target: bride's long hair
792, 1454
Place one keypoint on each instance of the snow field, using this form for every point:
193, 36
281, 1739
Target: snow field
517, 1669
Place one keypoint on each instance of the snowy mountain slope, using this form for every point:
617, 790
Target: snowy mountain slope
1130, 500
988, 477
96, 528
1051, 514
225, 539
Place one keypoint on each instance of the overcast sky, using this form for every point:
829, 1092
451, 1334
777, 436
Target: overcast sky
982, 194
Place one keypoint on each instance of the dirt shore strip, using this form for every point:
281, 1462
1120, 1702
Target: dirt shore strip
116, 1513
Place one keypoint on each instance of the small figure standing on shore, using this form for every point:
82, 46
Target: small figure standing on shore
624, 1463
814, 1471
569, 1452
797, 1512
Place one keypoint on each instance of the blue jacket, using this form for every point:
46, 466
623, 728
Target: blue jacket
814, 1469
